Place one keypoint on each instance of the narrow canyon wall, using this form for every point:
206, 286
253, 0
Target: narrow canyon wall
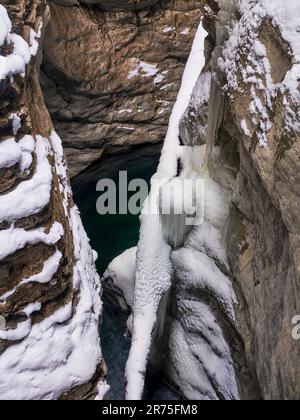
112, 71
49, 288
253, 126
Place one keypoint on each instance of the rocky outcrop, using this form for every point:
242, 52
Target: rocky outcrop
112, 70
49, 289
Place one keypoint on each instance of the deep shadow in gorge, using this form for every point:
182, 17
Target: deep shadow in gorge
110, 76
111, 235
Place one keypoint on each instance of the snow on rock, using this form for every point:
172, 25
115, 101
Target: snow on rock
145, 69
5, 25
20, 332
257, 73
15, 63
169, 29
16, 123
196, 270
50, 268
200, 363
47, 357
201, 269
122, 272
154, 269
172, 151
186, 31
194, 124
34, 41
14, 239
245, 128
27, 145
10, 153
65, 346
37, 190
200, 359
103, 389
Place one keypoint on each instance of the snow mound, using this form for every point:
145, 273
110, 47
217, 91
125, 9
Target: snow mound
15, 63
122, 272
200, 359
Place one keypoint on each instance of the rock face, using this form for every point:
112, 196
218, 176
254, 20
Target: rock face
253, 124
112, 70
49, 289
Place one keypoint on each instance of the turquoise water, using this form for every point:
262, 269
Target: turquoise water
111, 235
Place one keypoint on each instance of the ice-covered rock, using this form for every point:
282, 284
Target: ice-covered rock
159, 271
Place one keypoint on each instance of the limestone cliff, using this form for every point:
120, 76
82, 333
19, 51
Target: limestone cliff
112, 70
49, 289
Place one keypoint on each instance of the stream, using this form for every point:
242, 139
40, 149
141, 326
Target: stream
111, 235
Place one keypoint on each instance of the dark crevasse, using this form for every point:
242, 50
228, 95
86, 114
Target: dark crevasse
111, 235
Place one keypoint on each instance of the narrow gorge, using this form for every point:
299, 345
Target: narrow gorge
196, 294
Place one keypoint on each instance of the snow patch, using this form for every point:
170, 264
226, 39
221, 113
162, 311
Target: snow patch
257, 72
50, 268
245, 128
10, 153
169, 29
145, 69
32, 196
65, 346
186, 31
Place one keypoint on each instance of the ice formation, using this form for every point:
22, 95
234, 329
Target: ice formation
50, 357
154, 269
188, 258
